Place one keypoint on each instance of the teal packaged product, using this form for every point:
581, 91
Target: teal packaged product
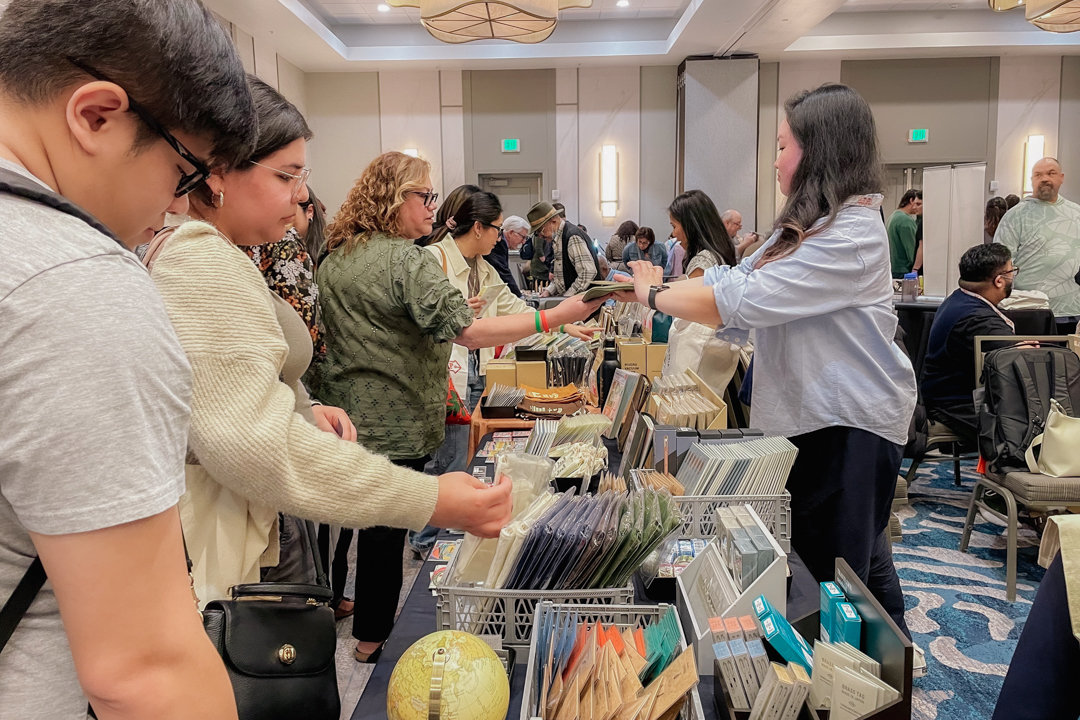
831, 596
785, 639
847, 625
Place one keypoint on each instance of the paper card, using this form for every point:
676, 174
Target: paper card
436, 578
443, 550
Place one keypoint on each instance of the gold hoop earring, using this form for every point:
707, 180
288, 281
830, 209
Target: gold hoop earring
218, 200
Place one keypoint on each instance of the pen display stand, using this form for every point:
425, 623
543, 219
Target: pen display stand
700, 595
621, 616
881, 640
699, 514
509, 613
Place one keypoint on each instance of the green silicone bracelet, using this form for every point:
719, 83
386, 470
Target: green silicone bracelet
536, 317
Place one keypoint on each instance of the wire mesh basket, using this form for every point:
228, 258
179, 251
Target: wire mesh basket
622, 616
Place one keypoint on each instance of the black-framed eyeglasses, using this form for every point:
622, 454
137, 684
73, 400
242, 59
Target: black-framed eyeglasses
188, 181
493, 227
428, 197
1011, 273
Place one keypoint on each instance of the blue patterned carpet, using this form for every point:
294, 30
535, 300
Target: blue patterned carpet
956, 607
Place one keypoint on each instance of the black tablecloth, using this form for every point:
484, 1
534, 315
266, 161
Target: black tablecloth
417, 619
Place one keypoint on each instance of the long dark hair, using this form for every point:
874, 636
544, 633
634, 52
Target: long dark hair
316, 230
835, 129
447, 209
701, 223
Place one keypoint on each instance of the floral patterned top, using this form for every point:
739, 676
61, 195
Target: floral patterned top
290, 273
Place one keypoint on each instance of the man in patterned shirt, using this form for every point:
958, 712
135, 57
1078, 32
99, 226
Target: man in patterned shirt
1043, 233
567, 241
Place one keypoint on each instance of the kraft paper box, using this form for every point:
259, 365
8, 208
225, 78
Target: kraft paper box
533, 374
634, 356
654, 360
503, 372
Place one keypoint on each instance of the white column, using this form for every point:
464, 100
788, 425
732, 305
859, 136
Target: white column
410, 117
453, 129
1029, 99
609, 113
566, 138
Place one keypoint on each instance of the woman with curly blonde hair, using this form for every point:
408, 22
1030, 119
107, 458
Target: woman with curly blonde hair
391, 317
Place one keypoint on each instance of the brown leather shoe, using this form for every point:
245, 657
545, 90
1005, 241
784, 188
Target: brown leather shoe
344, 609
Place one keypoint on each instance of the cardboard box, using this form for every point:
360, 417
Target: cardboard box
503, 372
633, 357
533, 374
654, 364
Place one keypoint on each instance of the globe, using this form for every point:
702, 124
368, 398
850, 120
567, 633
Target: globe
474, 684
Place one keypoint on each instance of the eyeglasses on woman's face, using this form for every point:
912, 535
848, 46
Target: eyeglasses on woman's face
299, 179
429, 198
188, 181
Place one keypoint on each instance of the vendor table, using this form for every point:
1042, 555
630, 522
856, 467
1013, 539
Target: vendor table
417, 619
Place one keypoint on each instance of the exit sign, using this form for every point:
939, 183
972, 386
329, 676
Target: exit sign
918, 136
511, 145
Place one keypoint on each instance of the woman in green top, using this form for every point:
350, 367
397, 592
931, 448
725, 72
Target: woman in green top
391, 317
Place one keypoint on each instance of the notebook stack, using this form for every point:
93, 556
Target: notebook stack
750, 467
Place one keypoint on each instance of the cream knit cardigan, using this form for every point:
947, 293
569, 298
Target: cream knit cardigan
256, 454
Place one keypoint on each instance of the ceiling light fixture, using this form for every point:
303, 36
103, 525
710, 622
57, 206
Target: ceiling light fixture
523, 21
623, 3
384, 8
1061, 16
411, 152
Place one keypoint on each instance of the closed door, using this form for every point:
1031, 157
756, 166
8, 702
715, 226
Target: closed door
517, 192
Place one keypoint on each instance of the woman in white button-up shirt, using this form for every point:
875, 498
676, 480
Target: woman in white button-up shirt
827, 373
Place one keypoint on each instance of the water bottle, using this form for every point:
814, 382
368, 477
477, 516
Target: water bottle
909, 289
607, 371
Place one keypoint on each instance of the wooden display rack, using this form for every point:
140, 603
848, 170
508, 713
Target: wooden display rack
881, 640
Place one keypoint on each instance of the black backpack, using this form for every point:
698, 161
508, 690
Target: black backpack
1018, 384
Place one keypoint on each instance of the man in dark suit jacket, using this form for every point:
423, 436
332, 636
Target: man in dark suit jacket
986, 278
513, 234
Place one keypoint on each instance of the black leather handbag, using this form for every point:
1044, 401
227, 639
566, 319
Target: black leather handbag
278, 641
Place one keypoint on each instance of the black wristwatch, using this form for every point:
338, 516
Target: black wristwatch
653, 290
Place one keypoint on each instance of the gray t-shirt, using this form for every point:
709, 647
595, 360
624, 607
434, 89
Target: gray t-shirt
95, 394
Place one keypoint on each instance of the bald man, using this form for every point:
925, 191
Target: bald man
1043, 234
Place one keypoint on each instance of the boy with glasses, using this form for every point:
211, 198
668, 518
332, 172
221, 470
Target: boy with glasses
110, 113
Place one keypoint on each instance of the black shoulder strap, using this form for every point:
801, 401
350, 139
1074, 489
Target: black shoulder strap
13, 183
20, 600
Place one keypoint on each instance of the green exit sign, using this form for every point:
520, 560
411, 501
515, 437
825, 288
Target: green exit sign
511, 145
919, 136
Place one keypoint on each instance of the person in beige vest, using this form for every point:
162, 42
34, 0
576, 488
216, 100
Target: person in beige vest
257, 446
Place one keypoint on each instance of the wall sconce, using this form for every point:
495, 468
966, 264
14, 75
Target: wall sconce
411, 152
1033, 153
609, 181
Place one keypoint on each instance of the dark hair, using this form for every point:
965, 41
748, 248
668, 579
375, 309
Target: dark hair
172, 56
983, 262
447, 209
995, 210
560, 207
478, 207
280, 123
909, 197
1012, 201
627, 230
316, 230
835, 129
646, 233
701, 223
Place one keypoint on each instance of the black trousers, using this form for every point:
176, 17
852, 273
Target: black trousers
1041, 682
338, 572
378, 574
842, 488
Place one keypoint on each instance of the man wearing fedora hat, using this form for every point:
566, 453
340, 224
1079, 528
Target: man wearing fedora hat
575, 263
